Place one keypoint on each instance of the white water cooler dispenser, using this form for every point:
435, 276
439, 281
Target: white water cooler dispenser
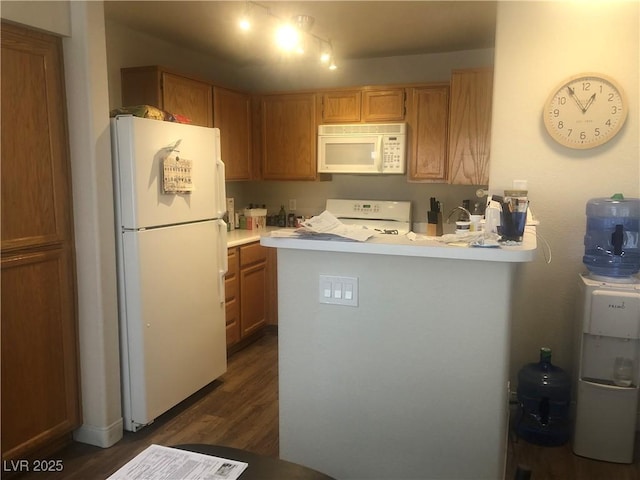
608, 333
608, 377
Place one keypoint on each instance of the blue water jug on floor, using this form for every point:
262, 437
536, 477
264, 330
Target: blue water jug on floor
544, 397
611, 246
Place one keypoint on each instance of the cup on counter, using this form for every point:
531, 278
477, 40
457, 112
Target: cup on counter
513, 218
623, 372
476, 223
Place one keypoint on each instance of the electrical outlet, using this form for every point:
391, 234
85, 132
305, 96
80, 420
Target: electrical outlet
292, 205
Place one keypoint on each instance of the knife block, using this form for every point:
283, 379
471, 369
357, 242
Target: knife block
435, 229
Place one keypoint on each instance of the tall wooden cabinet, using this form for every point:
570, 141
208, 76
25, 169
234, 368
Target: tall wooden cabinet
288, 124
427, 146
232, 115
470, 126
40, 384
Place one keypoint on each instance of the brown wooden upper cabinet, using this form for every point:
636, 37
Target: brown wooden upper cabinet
427, 144
366, 104
341, 106
288, 129
169, 91
470, 126
232, 115
386, 105
204, 104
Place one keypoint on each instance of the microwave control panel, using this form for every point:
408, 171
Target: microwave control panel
393, 154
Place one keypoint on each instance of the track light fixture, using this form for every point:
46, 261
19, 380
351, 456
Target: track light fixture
293, 36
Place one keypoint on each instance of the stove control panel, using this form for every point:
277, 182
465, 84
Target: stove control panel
374, 209
366, 208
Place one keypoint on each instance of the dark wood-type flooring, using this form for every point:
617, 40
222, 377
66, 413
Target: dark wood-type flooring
241, 410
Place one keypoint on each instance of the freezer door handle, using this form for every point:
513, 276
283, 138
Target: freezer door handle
223, 259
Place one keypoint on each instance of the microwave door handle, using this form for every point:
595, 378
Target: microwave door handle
378, 159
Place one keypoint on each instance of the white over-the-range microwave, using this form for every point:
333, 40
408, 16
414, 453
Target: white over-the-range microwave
373, 148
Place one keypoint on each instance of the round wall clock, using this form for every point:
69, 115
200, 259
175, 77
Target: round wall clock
585, 111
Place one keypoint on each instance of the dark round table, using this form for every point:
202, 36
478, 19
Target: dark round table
259, 467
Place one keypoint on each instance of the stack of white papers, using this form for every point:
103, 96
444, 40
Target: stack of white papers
327, 227
166, 463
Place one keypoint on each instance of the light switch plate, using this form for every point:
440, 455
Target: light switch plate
338, 290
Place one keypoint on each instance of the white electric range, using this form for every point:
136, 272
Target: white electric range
386, 217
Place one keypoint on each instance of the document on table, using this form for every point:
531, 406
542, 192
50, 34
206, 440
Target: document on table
165, 463
326, 226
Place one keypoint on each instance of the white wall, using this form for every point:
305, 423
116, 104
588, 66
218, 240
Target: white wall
52, 17
434, 67
90, 142
538, 44
129, 48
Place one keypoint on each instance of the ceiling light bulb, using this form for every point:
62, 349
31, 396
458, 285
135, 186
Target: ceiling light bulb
325, 57
244, 24
245, 20
333, 65
287, 37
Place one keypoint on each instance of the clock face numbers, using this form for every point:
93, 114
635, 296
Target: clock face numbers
585, 111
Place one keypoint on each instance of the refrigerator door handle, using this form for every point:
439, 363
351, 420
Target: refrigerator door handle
221, 204
223, 259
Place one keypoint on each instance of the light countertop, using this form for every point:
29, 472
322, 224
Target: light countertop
241, 237
401, 245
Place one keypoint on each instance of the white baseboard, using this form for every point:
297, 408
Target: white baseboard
103, 437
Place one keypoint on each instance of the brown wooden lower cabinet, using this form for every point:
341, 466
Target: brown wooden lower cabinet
250, 296
232, 297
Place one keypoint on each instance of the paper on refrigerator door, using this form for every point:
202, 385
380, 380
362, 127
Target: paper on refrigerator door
176, 175
166, 463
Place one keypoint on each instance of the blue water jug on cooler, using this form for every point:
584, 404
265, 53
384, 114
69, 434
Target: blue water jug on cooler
544, 398
611, 242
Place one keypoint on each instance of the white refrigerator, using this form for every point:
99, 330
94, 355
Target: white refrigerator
172, 257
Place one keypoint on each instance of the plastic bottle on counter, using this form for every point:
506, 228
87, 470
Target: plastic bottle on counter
476, 218
282, 217
492, 216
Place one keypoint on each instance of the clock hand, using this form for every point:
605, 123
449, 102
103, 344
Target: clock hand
591, 100
573, 95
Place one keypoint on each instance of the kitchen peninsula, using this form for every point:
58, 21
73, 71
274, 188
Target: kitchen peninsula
412, 382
